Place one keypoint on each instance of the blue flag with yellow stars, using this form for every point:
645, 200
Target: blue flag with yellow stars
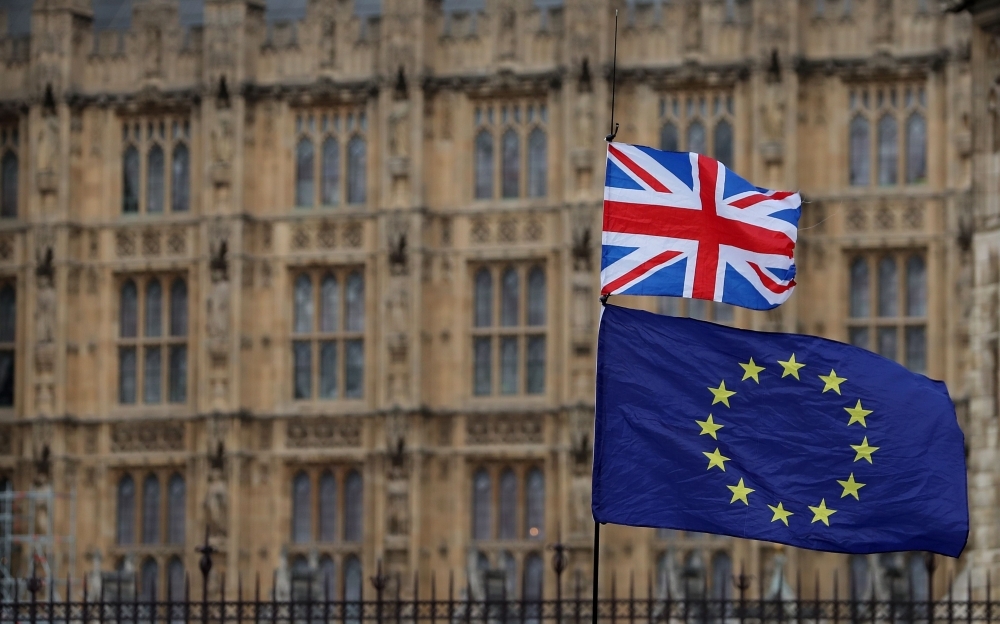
778, 437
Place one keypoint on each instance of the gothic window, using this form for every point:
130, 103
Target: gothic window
175, 579
510, 355
723, 143
356, 168
511, 164
538, 166
352, 579
705, 120
148, 184
304, 173
148, 580
150, 346
722, 574
860, 151
330, 178
668, 137
8, 325
301, 509
508, 505
126, 511
896, 327
696, 141
353, 511
176, 510
328, 347
482, 506
151, 510
888, 150
508, 564
697, 309
8, 185
328, 577
519, 128
327, 507
534, 573
860, 577
535, 504
916, 149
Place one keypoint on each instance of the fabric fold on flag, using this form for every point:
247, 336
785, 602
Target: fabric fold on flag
683, 225
779, 437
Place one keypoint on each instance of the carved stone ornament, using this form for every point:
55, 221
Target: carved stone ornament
505, 429
323, 433
47, 147
218, 307
135, 437
217, 497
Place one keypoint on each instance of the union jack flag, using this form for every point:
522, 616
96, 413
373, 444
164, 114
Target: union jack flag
681, 224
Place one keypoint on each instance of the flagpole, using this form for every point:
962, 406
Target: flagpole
614, 70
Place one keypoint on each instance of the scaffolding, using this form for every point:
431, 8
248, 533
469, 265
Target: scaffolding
29, 544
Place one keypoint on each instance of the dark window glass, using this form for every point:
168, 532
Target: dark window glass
916, 149
330, 190
354, 355
8, 310
538, 164
669, 137
510, 299
888, 287
178, 373
858, 336
328, 577
536, 296
155, 185
508, 364
151, 510
130, 180
536, 365
860, 151
352, 507
355, 303
356, 171
178, 308
329, 304
860, 289
482, 506
327, 507
152, 376
302, 369
723, 141
301, 509
304, 173
484, 299
916, 348
8, 324
534, 516
303, 305
482, 363
860, 577
149, 580
508, 505
888, 150
8, 186
484, 165
352, 584
696, 140
129, 322
180, 180
916, 286
126, 511
154, 309
126, 375
176, 509
511, 164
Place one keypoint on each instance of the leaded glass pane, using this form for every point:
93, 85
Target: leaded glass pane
353, 511
126, 375
888, 287
130, 180
176, 510
180, 180
356, 164
8, 186
154, 309
858, 336
303, 314
536, 365
484, 299
151, 510
175, 581
888, 150
722, 576
330, 190
178, 373
860, 151
152, 376
178, 308
916, 149
510, 299
482, 355
149, 580
535, 504
887, 342
511, 164
355, 300
538, 164
916, 348
484, 165
329, 304
723, 141
304, 172
301, 509
482, 506
508, 505
916, 286
669, 137
129, 312
126, 511
508, 365
327, 508
328, 369
302, 369
534, 571
155, 185
536, 297
354, 373
860, 577
696, 140
860, 289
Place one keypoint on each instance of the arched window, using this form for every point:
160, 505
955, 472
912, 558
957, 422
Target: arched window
152, 375
126, 511
301, 509
176, 509
8, 186
538, 164
304, 172
510, 174
180, 179
888, 150
177, 374
129, 322
330, 187
860, 577
509, 566
916, 149
328, 577
917, 571
155, 186
353, 510
355, 300
352, 579
536, 365
130, 180
696, 140
356, 164
916, 286
482, 506
534, 516
508, 505
151, 510
128, 328
860, 289
723, 143
483, 298
154, 309
722, 575
860, 151
148, 581
175, 580
888, 287
329, 304
694, 575
536, 296
664, 570
178, 308
484, 165
534, 577
8, 324
354, 352
669, 137
303, 305
327, 507
510, 299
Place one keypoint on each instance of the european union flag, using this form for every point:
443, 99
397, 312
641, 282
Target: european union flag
776, 437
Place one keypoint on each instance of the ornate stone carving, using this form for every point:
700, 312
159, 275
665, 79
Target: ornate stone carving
323, 432
883, 21
352, 235
125, 243
176, 242
507, 34
581, 426
216, 502
217, 316
132, 437
6, 440
47, 147
153, 51
151, 242
692, 26
504, 429
480, 230
301, 238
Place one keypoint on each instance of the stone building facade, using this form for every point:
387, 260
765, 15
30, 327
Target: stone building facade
319, 280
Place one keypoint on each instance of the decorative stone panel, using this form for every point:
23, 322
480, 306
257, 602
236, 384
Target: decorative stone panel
323, 433
147, 436
505, 429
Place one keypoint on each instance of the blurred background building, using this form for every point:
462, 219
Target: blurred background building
318, 280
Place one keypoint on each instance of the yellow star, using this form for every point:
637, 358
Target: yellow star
780, 513
832, 382
864, 450
858, 414
751, 371
708, 427
850, 487
791, 367
740, 492
822, 513
720, 394
716, 458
